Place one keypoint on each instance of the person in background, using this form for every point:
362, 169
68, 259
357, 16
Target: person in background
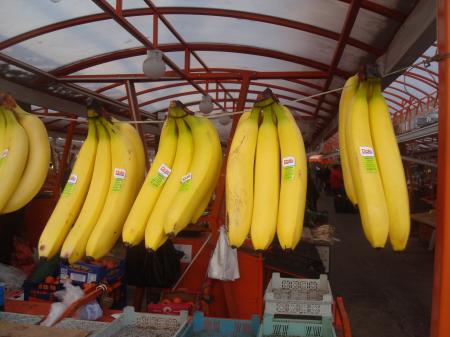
336, 180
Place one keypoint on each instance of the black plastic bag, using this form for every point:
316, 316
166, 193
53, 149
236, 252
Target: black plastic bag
156, 269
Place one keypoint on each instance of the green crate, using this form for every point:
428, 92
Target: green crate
275, 326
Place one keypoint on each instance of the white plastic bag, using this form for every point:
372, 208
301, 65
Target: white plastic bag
12, 277
224, 262
69, 295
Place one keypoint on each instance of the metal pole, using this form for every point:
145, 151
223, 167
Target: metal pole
440, 316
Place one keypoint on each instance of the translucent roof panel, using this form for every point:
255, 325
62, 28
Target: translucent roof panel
400, 5
28, 15
249, 62
64, 46
352, 57
196, 28
127, 4
322, 13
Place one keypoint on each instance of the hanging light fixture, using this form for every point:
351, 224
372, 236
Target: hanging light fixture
206, 105
154, 66
225, 120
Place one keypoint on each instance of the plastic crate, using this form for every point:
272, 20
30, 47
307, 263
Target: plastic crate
273, 326
202, 326
292, 296
133, 324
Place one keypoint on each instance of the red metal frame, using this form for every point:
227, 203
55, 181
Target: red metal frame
440, 317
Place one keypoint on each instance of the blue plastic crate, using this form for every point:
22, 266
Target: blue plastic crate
202, 326
274, 326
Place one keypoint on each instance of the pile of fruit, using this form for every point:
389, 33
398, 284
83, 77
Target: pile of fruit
266, 177
24, 155
106, 194
374, 178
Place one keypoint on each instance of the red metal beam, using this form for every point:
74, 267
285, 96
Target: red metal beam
119, 19
188, 93
258, 84
440, 314
134, 110
350, 19
177, 35
195, 76
189, 11
199, 46
249, 101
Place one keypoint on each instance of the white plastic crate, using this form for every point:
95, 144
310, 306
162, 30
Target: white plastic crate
292, 296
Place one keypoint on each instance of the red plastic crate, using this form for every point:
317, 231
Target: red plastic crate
169, 309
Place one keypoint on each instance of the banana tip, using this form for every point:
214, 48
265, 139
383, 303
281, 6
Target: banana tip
89, 259
43, 258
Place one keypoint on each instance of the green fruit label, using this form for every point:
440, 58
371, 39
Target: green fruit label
368, 159
186, 182
70, 185
288, 165
160, 178
3, 156
119, 179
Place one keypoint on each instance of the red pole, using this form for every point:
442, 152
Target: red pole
440, 316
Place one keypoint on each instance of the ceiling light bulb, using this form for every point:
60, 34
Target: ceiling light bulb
154, 66
206, 105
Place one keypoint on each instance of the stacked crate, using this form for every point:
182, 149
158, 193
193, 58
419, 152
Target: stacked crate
298, 307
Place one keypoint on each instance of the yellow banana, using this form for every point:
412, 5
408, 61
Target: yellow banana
391, 169
196, 183
291, 209
136, 141
74, 246
123, 177
344, 104
239, 177
38, 161
13, 157
71, 199
368, 185
154, 232
207, 198
267, 183
2, 136
134, 228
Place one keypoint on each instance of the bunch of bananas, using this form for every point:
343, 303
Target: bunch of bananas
266, 177
24, 155
180, 182
89, 215
374, 178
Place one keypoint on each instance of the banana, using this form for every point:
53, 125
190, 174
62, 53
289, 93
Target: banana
391, 169
13, 157
239, 177
267, 183
207, 198
136, 141
154, 232
123, 175
291, 209
134, 228
3, 145
348, 92
74, 246
72, 197
202, 171
38, 160
368, 185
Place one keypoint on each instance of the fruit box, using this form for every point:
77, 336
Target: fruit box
41, 291
108, 270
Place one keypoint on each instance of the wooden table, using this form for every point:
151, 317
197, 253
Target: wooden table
429, 219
